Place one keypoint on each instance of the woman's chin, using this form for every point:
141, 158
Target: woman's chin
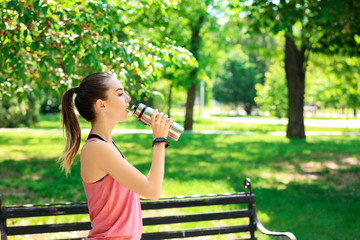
124, 119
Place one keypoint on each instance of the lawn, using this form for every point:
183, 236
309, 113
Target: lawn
210, 122
308, 187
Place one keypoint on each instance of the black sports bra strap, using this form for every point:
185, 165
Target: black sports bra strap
95, 136
98, 137
118, 149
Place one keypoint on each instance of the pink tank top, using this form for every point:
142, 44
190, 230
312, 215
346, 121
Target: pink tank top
115, 211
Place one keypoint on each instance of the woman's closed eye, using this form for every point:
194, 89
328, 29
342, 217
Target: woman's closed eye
120, 91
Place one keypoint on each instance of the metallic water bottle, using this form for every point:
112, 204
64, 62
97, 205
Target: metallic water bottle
144, 114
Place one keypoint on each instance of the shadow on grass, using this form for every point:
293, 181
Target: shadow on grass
299, 185
38, 181
309, 211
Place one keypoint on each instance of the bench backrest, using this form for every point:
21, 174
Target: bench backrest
240, 206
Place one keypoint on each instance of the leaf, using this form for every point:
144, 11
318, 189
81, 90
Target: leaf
126, 55
87, 59
357, 38
112, 29
159, 95
36, 5
69, 62
10, 5
21, 72
69, 68
44, 9
94, 61
34, 46
52, 62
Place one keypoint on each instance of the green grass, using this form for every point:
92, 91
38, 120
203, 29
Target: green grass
308, 187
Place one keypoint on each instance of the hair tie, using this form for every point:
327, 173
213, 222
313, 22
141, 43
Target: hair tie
76, 89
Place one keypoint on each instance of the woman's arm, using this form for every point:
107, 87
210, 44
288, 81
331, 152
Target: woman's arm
107, 159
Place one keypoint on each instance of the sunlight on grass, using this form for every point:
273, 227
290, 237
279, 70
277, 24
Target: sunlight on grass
296, 182
27, 145
173, 187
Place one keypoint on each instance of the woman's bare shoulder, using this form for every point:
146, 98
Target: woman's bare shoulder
94, 149
91, 156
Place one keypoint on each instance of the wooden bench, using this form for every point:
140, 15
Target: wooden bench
241, 210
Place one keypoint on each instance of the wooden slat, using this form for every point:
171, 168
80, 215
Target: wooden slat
35, 211
49, 228
196, 217
198, 232
146, 221
20, 212
196, 202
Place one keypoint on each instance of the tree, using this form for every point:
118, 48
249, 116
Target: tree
47, 47
236, 82
194, 15
189, 25
272, 95
320, 26
334, 81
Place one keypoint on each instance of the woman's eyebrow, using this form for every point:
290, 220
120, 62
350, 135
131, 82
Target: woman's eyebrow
119, 89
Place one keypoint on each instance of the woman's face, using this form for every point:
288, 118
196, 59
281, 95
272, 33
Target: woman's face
117, 101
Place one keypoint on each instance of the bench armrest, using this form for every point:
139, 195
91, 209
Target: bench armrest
267, 232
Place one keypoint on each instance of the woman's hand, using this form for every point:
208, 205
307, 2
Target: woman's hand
160, 124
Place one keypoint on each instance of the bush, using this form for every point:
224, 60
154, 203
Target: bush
14, 114
50, 105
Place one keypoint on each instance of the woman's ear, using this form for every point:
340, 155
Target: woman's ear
100, 105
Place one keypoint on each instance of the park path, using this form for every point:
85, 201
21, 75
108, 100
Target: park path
338, 123
353, 124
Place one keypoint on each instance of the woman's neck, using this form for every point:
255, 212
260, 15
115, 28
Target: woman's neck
102, 129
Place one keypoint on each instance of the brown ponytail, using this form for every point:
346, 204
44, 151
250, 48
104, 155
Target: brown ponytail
91, 88
72, 129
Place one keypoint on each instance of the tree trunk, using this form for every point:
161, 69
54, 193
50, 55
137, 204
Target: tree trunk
355, 113
191, 93
295, 68
248, 108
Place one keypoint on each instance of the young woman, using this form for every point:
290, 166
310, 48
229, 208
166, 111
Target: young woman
112, 185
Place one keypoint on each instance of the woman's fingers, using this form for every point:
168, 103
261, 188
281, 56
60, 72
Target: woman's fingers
161, 119
161, 124
164, 118
159, 116
154, 115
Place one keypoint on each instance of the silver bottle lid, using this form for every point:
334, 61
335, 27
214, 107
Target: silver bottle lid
138, 109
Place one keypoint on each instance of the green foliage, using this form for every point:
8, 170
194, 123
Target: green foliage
48, 46
236, 82
326, 26
334, 81
272, 95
